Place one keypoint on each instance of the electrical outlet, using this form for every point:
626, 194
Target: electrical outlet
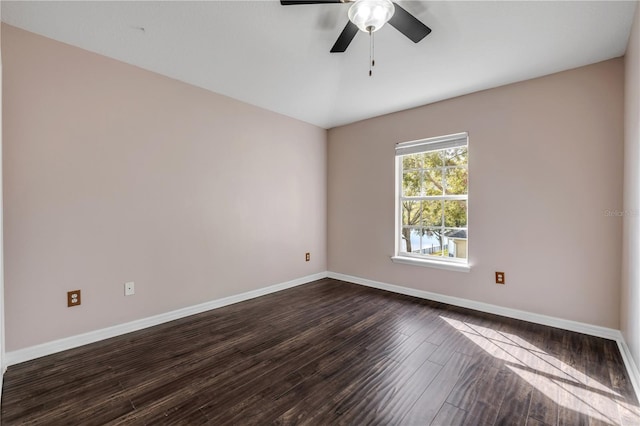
129, 288
307, 257
73, 298
500, 278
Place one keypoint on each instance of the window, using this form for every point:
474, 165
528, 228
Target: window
432, 201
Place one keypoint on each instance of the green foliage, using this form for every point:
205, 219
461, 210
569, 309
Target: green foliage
433, 174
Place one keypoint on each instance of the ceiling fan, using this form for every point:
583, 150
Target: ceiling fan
370, 16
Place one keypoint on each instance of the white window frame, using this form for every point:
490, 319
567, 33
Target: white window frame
419, 146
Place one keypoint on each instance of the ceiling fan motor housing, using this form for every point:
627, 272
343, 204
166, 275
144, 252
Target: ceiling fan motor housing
371, 15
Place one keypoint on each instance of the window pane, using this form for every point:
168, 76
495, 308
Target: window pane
403, 240
456, 156
412, 161
456, 243
411, 184
410, 241
432, 160
456, 181
432, 182
431, 242
410, 213
432, 213
455, 213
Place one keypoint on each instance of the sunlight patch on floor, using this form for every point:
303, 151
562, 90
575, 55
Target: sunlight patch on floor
563, 384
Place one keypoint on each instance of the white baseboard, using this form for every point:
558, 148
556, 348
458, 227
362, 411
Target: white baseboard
33, 352
580, 327
593, 330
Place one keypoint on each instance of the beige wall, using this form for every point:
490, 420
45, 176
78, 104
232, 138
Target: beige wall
630, 306
545, 163
115, 174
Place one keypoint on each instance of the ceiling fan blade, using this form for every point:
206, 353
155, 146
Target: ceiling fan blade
408, 24
294, 2
345, 37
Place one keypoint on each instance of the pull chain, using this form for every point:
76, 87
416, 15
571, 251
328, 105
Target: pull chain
372, 60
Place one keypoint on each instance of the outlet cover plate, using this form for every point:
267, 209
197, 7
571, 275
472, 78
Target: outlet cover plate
73, 298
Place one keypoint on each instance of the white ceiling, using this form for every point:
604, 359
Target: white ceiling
277, 57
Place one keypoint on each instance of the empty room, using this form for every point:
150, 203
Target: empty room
320, 212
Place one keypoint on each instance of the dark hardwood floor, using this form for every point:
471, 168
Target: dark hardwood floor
329, 352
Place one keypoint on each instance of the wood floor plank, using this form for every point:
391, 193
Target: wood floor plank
572, 409
535, 422
303, 398
469, 385
543, 406
517, 398
603, 408
329, 352
621, 385
381, 398
491, 389
427, 406
360, 336
312, 409
450, 415
286, 389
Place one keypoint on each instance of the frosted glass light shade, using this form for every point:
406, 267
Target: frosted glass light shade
371, 15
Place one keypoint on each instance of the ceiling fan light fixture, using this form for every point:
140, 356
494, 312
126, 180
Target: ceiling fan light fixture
371, 15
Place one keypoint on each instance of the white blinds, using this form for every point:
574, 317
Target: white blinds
432, 144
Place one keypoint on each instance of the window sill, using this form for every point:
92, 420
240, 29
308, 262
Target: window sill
431, 263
